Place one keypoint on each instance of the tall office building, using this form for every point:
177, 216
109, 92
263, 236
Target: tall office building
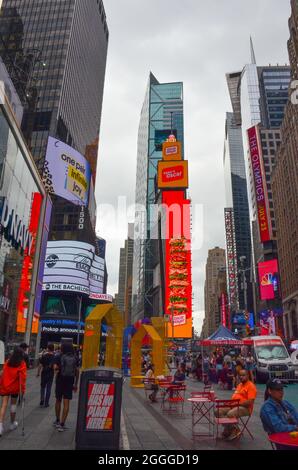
121, 282
237, 220
124, 295
259, 96
162, 114
285, 193
215, 263
55, 52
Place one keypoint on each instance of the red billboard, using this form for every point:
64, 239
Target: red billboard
224, 308
268, 279
178, 279
259, 184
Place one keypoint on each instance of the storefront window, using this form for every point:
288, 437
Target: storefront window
20, 208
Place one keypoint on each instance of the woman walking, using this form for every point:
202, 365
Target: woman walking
12, 382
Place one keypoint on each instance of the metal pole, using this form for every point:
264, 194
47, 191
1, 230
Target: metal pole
79, 322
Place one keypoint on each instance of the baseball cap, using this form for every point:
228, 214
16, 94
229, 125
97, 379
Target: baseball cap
275, 384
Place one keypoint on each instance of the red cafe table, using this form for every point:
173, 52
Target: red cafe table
284, 439
202, 414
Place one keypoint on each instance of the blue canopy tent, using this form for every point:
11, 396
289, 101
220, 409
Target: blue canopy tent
224, 337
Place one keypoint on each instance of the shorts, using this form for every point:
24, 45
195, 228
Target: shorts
64, 388
11, 396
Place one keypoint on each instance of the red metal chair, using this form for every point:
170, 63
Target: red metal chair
243, 425
175, 397
225, 420
148, 387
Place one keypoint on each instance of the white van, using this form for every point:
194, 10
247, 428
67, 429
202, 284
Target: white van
272, 359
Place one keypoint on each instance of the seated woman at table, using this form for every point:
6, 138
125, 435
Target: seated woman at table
153, 386
278, 415
179, 376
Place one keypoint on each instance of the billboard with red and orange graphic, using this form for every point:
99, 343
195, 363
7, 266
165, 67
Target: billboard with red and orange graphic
172, 175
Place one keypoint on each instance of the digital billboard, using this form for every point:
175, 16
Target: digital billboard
231, 259
178, 270
27, 269
260, 185
73, 267
161, 136
172, 151
172, 175
66, 173
268, 279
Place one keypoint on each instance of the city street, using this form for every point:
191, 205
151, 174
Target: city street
143, 426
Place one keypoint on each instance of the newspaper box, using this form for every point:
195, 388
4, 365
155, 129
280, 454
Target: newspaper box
99, 414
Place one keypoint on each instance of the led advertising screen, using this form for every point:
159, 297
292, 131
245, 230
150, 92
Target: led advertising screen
268, 279
161, 135
66, 173
260, 185
73, 267
178, 270
172, 151
173, 175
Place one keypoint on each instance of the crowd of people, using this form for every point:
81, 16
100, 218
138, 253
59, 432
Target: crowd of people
230, 370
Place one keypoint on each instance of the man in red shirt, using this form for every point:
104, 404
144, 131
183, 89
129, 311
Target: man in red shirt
246, 393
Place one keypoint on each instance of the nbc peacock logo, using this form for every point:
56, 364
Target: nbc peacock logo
267, 280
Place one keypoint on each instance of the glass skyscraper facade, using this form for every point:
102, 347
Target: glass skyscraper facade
162, 113
55, 52
236, 196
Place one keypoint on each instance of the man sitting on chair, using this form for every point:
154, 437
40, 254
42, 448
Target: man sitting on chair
246, 393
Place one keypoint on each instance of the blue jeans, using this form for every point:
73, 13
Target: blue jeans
45, 390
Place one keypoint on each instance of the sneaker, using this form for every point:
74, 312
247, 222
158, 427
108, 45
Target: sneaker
1, 429
62, 428
56, 423
13, 426
234, 435
41, 404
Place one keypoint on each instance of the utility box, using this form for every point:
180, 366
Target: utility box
99, 413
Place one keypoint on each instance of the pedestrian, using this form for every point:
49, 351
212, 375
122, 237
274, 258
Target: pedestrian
149, 377
12, 382
46, 370
25, 349
67, 377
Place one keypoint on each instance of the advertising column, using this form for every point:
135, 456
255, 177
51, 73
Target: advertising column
173, 182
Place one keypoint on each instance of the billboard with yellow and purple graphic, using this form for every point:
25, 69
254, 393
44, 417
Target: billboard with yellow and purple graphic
66, 173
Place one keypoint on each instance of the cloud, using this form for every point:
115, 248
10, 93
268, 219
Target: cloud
196, 42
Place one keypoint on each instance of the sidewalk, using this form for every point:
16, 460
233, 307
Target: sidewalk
148, 428
39, 430
143, 426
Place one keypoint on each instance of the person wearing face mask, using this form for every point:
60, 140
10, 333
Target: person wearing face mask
278, 415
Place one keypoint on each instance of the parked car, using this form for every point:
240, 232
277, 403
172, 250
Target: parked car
294, 359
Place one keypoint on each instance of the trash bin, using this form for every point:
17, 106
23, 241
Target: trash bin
99, 413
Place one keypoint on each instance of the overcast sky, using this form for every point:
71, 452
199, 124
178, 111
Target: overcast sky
196, 42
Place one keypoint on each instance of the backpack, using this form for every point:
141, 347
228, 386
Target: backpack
68, 365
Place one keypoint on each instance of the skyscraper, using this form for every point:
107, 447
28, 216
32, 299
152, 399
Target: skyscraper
215, 263
125, 277
162, 114
285, 193
237, 201
259, 96
55, 52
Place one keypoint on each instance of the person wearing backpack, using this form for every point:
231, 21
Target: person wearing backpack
67, 377
46, 370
